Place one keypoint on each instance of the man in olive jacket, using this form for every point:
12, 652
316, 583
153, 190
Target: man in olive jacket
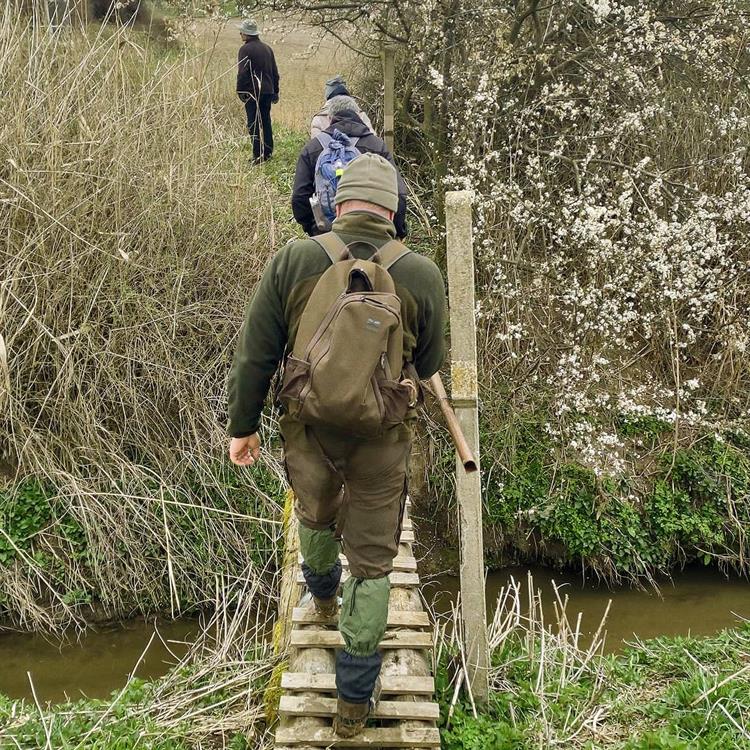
320, 462
257, 88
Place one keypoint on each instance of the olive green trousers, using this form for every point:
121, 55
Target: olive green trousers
351, 493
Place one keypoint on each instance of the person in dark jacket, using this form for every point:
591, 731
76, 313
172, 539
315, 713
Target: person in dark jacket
322, 119
258, 88
344, 118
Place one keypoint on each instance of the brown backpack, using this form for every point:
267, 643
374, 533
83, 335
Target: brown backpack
345, 370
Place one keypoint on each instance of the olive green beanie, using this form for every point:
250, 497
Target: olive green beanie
370, 178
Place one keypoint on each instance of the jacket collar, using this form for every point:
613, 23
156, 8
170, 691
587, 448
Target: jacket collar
365, 223
348, 123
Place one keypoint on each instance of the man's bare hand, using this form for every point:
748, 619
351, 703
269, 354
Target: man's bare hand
245, 451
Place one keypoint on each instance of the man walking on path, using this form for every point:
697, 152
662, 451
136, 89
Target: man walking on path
359, 357
335, 87
344, 118
258, 88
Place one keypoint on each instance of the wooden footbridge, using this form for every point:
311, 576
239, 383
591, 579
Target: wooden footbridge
407, 714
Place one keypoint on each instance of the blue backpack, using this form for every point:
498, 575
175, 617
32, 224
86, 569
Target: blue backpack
338, 150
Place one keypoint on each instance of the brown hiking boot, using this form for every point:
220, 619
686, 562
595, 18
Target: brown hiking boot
326, 607
350, 718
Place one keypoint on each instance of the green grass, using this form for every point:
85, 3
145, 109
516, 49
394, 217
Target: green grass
664, 694
280, 169
122, 731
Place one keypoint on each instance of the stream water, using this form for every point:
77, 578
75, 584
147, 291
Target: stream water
95, 665
700, 601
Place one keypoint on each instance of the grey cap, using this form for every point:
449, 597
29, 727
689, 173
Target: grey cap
369, 178
249, 28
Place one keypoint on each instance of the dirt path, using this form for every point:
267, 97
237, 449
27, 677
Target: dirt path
305, 55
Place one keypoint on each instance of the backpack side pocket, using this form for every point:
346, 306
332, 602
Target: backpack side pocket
296, 376
396, 399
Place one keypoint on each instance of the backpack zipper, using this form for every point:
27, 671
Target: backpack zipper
323, 325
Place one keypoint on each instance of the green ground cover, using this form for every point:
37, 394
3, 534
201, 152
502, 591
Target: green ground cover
675, 505
663, 694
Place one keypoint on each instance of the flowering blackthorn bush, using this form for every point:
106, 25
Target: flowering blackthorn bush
608, 156
606, 145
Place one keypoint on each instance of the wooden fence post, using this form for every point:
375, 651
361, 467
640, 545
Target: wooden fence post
389, 82
460, 254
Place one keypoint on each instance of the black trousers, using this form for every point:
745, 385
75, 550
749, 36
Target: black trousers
259, 125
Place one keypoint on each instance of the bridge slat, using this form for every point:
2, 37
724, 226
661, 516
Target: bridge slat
296, 705
398, 578
404, 563
396, 618
370, 737
326, 682
334, 639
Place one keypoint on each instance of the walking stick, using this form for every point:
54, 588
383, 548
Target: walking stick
454, 428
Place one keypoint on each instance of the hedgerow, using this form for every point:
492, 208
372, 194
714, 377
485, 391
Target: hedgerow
605, 142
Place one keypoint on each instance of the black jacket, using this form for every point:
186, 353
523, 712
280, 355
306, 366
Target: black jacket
257, 73
304, 179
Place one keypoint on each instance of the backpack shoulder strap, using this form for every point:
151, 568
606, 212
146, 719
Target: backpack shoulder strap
353, 141
391, 253
333, 246
324, 139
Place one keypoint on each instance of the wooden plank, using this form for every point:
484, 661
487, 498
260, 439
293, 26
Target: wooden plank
308, 616
398, 578
407, 524
404, 563
325, 682
290, 591
370, 737
407, 536
296, 705
334, 639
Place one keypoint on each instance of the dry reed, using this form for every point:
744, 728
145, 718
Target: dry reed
132, 235
552, 651
212, 694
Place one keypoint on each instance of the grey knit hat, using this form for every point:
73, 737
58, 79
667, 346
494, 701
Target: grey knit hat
370, 178
335, 86
248, 27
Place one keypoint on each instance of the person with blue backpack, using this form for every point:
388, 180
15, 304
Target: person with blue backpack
322, 161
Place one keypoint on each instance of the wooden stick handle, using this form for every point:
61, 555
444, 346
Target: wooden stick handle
454, 428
